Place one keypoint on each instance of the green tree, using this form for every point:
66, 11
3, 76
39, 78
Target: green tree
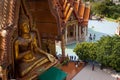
106, 8
92, 51
86, 51
115, 56
82, 50
106, 51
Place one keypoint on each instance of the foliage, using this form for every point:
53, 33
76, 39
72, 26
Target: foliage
86, 51
106, 51
106, 8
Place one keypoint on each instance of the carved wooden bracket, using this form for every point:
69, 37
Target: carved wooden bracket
62, 9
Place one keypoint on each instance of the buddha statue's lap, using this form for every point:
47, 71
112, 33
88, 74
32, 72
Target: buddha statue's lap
26, 67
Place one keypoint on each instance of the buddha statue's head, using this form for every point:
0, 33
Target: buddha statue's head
24, 25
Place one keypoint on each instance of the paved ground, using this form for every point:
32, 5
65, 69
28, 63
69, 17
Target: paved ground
71, 69
87, 74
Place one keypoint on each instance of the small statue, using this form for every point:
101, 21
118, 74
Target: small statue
27, 53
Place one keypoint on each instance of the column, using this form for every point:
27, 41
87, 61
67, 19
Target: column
63, 45
77, 34
85, 32
74, 30
66, 35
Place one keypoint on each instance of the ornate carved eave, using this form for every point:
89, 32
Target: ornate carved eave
62, 10
7, 8
80, 9
8, 21
82, 12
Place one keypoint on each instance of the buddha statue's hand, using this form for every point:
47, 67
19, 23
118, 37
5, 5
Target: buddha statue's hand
51, 57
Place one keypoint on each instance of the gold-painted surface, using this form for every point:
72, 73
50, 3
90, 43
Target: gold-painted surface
37, 63
38, 70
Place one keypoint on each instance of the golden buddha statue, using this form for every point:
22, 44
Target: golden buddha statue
27, 53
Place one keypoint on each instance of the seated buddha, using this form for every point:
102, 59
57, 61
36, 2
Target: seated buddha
28, 55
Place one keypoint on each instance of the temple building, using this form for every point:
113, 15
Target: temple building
76, 28
29, 29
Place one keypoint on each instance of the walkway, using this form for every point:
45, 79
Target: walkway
87, 74
71, 69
